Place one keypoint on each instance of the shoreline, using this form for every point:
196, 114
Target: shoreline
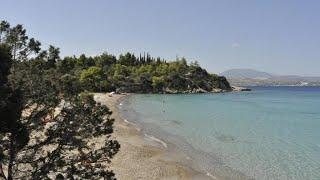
138, 158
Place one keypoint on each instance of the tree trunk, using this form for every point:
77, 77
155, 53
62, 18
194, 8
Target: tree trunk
1, 172
11, 158
14, 54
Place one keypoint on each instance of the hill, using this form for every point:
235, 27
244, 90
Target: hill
246, 73
250, 77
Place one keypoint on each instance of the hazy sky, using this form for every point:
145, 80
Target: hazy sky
276, 36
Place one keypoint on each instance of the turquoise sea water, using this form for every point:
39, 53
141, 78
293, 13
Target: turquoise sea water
269, 133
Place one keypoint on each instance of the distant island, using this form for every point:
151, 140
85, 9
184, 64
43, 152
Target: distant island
251, 77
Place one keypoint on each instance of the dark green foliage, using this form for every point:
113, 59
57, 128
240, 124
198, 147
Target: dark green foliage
46, 91
53, 56
15, 38
13, 134
4, 27
105, 60
5, 64
92, 79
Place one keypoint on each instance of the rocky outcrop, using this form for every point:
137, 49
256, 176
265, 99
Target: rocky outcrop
199, 90
190, 91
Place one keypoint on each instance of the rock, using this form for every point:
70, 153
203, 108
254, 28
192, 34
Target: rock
239, 89
170, 91
200, 90
217, 90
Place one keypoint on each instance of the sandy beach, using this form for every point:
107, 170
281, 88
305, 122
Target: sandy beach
138, 159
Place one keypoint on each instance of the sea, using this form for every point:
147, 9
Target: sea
267, 133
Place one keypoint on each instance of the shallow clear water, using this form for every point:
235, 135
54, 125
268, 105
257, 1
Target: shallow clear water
269, 133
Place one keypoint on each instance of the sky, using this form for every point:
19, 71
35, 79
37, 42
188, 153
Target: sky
276, 36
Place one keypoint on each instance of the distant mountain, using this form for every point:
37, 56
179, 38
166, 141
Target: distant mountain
251, 77
246, 73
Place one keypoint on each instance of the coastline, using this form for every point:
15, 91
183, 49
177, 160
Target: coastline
138, 158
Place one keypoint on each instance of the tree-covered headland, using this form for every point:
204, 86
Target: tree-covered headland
140, 74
